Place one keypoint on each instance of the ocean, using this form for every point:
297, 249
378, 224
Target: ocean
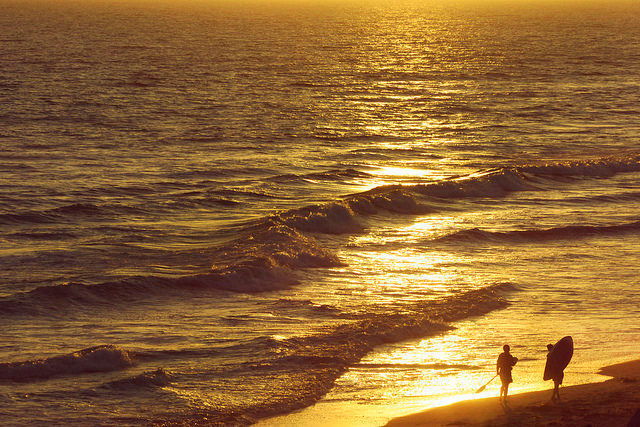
328, 212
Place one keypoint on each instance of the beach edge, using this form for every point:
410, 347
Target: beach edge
612, 402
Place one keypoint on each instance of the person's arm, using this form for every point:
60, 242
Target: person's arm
498, 366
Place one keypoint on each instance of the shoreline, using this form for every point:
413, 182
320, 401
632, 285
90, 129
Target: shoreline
612, 403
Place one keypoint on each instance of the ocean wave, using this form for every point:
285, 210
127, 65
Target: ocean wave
607, 198
102, 358
277, 245
241, 193
329, 175
43, 235
66, 213
596, 168
499, 182
347, 343
26, 218
257, 275
306, 367
264, 260
491, 183
269, 252
397, 151
393, 198
151, 379
191, 201
615, 197
341, 217
304, 307
337, 174
555, 233
330, 218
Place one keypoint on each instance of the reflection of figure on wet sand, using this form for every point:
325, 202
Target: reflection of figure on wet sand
557, 378
504, 365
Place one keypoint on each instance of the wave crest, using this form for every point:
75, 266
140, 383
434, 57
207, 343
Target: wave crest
554, 233
151, 379
332, 218
501, 181
393, 198
265, 260
492, 183
102, 358
602, 167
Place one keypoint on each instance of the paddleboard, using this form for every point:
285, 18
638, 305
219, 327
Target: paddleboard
558, 358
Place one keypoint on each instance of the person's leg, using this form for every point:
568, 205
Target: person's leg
504, 389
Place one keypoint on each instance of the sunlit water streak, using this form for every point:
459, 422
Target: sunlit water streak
362, 179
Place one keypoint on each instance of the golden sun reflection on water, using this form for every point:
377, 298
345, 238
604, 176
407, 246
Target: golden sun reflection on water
450, 367
400, 261
403, 171
413, 270
413, 173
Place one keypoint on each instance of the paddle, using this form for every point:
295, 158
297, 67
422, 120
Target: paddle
481, 389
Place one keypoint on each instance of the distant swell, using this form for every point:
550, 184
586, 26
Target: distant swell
65, 213
103, 358
555, 233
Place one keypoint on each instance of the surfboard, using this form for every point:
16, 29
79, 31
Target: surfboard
558, 358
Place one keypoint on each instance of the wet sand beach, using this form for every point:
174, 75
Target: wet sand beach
609, 403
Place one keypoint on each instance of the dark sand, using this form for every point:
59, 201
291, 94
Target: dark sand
609, 403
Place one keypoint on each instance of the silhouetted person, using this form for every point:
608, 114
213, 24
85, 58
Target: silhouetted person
557, 378
504, 365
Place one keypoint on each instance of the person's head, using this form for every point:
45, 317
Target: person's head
549, 347
506, 348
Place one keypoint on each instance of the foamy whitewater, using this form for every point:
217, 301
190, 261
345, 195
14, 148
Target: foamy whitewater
218, 213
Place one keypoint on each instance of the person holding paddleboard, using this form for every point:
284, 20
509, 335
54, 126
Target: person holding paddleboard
558, 357
504, 365
557, 378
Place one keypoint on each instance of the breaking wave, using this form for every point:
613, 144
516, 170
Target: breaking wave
102, 358
306, 367
266, 259
501, 181
269, 252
